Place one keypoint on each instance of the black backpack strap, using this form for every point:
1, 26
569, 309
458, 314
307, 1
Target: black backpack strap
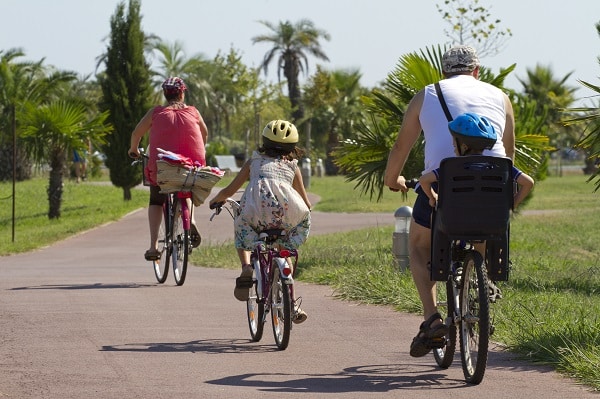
438, 90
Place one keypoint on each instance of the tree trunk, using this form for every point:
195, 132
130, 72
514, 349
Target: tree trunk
127, 193
55, 186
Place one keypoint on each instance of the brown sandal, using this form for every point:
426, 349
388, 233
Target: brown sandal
243, 284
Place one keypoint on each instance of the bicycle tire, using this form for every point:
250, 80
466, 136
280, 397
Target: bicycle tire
445, 290
255, 309
475, 318
161, 266
181, 245
281, 310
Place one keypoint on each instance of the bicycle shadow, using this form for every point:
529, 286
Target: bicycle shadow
92, 286
209, 346
368, 378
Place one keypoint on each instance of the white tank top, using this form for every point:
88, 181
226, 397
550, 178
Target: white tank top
463, 93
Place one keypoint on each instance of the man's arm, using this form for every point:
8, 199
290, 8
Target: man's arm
508, 137
408, 135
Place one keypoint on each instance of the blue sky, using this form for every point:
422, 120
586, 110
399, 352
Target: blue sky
367, 35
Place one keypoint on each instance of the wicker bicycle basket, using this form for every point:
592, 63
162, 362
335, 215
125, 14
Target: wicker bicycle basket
198, 180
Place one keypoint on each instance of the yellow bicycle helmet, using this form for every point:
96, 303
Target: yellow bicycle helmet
280, 131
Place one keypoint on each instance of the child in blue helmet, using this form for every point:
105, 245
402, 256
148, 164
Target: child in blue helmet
472, 135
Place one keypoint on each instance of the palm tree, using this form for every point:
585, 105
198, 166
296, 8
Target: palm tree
364, 157
53, 130
332, 99
194, 70
551, 95
22, 83
590, 141
292, 43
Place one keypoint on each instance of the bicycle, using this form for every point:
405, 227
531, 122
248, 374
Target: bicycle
272, 289
474, 204
175, 232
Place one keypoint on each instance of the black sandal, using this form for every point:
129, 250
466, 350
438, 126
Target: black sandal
152, 255
429, 337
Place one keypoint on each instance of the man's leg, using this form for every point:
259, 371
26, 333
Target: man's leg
420, 254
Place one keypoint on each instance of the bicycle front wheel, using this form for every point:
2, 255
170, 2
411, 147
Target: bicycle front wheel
475, 318
181, 245
255, 308
161, 266
446, 304
281, 310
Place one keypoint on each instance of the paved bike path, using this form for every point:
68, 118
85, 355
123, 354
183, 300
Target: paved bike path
84, 318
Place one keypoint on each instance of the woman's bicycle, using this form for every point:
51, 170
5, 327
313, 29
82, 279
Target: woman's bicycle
175, 233
272, 291
463, 277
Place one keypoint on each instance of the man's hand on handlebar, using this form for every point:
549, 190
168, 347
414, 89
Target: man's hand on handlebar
403, 185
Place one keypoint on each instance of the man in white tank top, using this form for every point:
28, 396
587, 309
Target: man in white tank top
463, 92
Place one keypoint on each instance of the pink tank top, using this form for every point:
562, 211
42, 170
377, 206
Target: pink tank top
175, 130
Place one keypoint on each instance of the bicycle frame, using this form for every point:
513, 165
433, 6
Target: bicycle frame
266, 255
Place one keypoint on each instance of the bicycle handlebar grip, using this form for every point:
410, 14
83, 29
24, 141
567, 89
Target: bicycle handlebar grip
133, 155
216, 205
412, 183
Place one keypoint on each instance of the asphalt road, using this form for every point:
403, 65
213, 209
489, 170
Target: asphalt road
85, 318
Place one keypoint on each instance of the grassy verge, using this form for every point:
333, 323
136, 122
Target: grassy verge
84, 206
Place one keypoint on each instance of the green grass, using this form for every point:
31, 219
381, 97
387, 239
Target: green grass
84, 206
549, 313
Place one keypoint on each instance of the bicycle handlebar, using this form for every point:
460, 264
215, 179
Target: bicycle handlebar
412, 183
218, 207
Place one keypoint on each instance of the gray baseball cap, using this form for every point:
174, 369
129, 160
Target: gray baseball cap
460, 59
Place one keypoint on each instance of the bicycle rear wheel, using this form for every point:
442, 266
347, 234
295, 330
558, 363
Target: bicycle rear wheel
255, 308
281, 310
446, 304
181, 245
475, 318
161, 266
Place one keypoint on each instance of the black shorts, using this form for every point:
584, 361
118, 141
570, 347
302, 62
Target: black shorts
156, 198
422, 210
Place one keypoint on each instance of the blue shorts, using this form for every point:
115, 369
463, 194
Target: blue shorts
422, 210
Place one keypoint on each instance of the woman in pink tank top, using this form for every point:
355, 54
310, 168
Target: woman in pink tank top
175, 127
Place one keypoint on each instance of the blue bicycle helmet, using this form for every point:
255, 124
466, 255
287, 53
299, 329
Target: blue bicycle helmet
474, 131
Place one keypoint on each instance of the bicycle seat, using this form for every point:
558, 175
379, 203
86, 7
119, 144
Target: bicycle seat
475, 198
271, 235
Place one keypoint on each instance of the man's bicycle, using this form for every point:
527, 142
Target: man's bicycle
475, 196
176, 239
272, 290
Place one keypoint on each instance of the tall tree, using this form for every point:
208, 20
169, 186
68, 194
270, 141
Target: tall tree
590, 140
194, 70
126, 92
291, 44
53, 130
332, 100
553, 95
472, 23
22, 83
